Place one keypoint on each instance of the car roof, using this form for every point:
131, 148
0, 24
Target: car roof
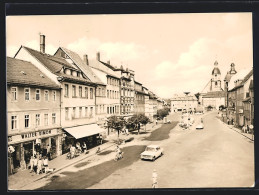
153, 146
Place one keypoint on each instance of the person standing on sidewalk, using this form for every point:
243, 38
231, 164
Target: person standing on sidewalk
154, 179
35, 162
31, 164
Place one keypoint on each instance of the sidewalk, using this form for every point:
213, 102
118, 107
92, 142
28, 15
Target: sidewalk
24, 177
247, 135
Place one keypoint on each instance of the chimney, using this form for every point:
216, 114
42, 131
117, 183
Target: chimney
98, 56
42, 43
108, 62
86, 59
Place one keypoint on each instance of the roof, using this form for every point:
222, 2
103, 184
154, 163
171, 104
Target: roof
83, 66
216, 71
183, 98
137, 82
25, 73
98, 66
53, 63
238, 76
247, 76
214, 94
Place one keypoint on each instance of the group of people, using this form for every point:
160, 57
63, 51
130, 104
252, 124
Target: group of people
76, 150
39, 164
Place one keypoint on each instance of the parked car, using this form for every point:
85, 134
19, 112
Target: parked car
152, 152
200, 126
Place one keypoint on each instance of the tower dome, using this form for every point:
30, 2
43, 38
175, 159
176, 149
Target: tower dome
216, 69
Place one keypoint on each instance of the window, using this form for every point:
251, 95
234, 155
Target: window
108, 94
66, 90
80, 91
46, 95
54, 95
74, 112
66, 112
26, 121
100, 92
53, 118
108, 109
14, 122
91, 93
80, 112
37, 95
86, 111
91, 112
14, 93
103, 92
46, 119
27, 94
73, 91
86, 92
37, 120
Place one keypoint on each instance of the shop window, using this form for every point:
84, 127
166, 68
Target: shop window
80, 91
37, 120
14, 93
14, 122
53, 118
37, 95
27, 94
73, 91
46, 119
66, 90
66, 113
46, 95
54, 95
86, 92
91, 93
26, 121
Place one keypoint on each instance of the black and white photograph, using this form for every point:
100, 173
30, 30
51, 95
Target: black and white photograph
130, 101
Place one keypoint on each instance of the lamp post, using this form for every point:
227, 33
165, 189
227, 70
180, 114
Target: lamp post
186, 93
227, 100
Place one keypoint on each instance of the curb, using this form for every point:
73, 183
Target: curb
236, 130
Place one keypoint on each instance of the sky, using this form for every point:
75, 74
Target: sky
170, 53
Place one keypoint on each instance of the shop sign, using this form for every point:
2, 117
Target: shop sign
36, 134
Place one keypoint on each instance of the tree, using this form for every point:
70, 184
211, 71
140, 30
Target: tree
161, 113
143, 120
134, 121
116, 123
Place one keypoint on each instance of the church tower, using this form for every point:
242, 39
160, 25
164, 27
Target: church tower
215, 79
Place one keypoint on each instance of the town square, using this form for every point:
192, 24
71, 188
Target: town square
130, 101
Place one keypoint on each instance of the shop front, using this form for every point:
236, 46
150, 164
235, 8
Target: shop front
90, 134
30, 143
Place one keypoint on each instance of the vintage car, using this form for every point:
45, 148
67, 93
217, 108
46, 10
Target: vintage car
200, 126
152, 152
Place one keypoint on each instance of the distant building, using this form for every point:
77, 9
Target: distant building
139, 104
181, 103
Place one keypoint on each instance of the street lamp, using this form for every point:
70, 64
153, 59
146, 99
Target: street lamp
227, 99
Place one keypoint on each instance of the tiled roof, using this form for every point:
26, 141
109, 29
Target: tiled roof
54, 64
83, 66
214, 94
23, 72
247, 76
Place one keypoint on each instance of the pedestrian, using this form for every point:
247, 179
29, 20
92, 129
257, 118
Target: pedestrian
101, 138
35, 162
31, 164
156, 121
39, 166
228, 121
84, 147
48, 151
154, 178
45, 164
127, 131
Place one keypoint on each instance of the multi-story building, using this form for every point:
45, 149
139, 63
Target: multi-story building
77, 94
184, 103
33, 112
112, 91
237, 93
139, 104
153, 104
147, 104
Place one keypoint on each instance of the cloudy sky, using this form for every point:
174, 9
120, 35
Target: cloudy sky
170, 53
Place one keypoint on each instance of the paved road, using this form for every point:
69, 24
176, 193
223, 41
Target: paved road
213, 157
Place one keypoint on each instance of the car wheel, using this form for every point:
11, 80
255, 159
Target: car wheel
154, 158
